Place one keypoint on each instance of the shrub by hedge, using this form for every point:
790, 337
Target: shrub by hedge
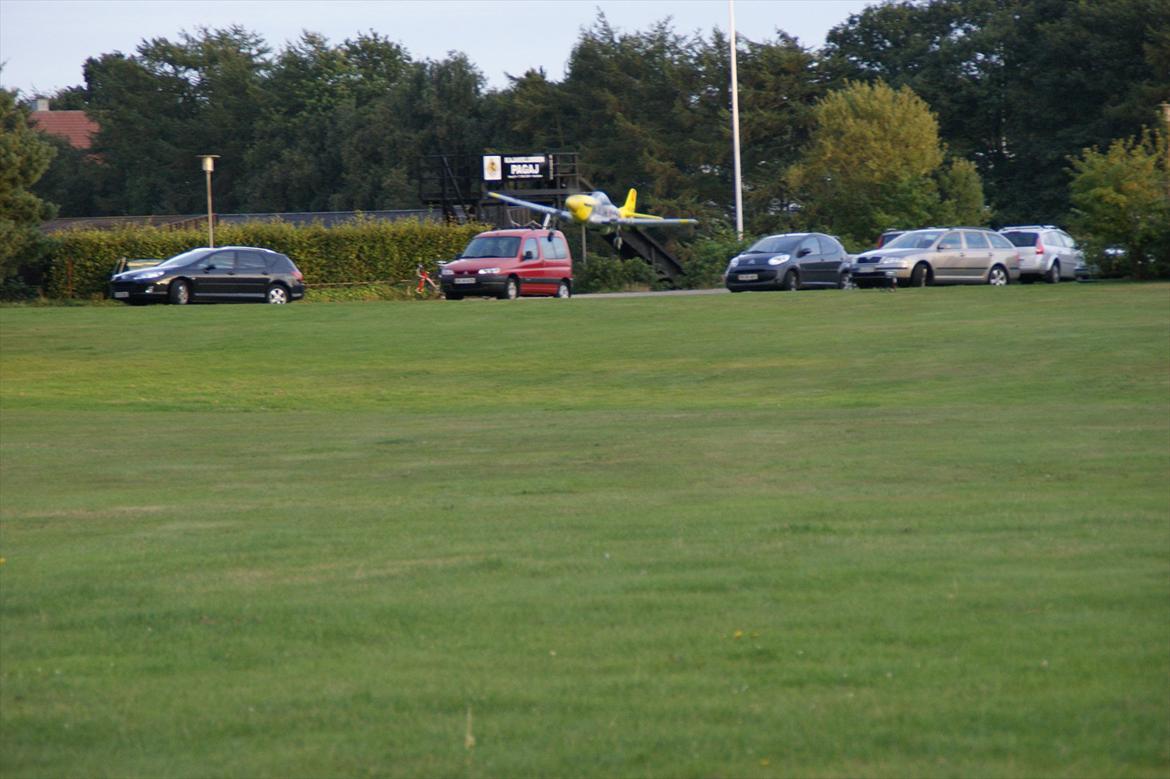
364, 250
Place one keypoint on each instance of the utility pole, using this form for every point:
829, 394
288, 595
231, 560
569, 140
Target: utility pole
735, 128
208, 167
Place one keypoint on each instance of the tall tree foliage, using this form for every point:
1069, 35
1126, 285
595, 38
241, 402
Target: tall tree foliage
24, 157
875, 162
170, 102
1018, 85
1121, 198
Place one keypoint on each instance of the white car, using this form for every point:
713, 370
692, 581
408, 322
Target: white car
1046, 252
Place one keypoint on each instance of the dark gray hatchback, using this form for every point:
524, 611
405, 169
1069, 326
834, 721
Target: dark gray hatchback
220, 274
791, 261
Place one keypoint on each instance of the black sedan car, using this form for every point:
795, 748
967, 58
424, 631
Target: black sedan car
790, 261
220, 274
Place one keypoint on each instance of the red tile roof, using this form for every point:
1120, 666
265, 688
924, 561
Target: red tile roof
73, 126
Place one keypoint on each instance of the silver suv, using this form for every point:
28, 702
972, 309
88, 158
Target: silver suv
940, 255
1046, 252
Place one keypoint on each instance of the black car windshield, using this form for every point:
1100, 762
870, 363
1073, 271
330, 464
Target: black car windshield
774, 244
1021, 239
185, 259
492, 246
915, 239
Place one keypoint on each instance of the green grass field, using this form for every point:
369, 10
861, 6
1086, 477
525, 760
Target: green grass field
856, 534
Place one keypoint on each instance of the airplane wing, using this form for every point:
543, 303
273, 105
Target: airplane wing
656, 220
534, 206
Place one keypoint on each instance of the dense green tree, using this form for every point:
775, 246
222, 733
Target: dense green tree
24, 157
960, 190
316, 97
70, 180
872, 163
1018, 85
1121, 197
777, 91
166, 104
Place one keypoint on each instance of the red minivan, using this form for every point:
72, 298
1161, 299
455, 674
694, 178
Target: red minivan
510, 263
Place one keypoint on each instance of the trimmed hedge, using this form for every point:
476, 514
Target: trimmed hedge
364, 250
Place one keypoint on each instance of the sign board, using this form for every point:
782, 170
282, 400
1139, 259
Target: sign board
512, 167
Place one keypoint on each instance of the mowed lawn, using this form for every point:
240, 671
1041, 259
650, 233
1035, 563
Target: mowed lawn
922, 533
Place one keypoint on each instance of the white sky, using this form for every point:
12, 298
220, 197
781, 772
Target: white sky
44, 43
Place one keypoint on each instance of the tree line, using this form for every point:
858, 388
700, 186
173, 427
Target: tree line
911, 113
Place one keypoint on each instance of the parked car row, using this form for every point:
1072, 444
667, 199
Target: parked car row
935, 255
513, 263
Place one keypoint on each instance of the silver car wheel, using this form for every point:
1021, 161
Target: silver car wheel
277, 295
997, 277
920, 276
563, 290
512, 290
179, 293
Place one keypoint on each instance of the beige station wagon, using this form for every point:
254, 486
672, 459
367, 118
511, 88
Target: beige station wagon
940, 255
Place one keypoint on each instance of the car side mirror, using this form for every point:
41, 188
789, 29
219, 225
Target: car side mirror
804, 252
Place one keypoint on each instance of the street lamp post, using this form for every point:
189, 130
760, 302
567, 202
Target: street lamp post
208, 167
735, 128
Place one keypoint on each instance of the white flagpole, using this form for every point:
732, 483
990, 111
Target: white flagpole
735, 128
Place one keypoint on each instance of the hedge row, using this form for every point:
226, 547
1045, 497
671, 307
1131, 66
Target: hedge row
361, 251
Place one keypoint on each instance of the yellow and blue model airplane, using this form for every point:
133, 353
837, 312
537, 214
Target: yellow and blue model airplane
596, 209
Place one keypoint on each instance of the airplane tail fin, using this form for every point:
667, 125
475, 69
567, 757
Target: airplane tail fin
629, 210
631, 203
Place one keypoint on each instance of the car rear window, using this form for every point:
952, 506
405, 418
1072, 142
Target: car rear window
251, 261
560, 249
1021, 238
829, 247
976, 240
278, 263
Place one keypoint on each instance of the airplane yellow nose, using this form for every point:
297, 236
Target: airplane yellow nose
580, 206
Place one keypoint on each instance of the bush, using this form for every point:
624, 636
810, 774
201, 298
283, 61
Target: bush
706, 258
611, 274
365, 250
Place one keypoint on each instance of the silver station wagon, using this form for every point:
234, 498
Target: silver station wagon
940, 255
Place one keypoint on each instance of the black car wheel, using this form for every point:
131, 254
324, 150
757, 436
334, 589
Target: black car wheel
1053, 274
920, 276
845, 281
512, 289
276, 295
997, 276
564, 290
790, 281
179, 293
